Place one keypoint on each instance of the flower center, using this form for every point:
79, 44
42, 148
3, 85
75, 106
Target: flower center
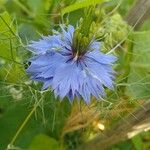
76, 56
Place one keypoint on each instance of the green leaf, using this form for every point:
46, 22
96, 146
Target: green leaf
79, 5
7, 36
138, 85
40, 7
2, 2
124, 145
137, 141
12, 118
145, 25
44, 142
11, 68
48, 118
27, 32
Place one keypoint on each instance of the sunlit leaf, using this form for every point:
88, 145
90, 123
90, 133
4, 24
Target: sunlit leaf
11, 68
7, 36
137, 141
44, 142
139, 78
79, 5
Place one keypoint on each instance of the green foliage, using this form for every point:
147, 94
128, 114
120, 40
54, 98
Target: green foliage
40, 6
7, 36
48, 117
43, 142
26, 20
137, 141
79, 5
126, 145
114, 30
124, 5
11, 68
16, 114
145, 26
139, 78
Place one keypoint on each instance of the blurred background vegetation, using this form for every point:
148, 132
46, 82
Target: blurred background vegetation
35, 120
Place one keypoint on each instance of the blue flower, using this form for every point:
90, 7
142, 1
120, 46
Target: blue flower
68, 73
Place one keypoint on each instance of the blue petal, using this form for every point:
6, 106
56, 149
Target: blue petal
94, 45
68, 76
101, 58
96, 87
45, 65
70, 96
45, 44
85, 93
99, 72
47, 84
55, 67
67, 35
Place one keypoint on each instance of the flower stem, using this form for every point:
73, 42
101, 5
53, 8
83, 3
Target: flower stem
10, 145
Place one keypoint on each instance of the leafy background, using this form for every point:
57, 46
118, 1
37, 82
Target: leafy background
54, 124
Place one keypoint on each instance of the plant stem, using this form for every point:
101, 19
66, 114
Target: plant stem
10, 145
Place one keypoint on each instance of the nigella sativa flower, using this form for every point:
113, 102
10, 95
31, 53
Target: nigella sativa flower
68, 73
